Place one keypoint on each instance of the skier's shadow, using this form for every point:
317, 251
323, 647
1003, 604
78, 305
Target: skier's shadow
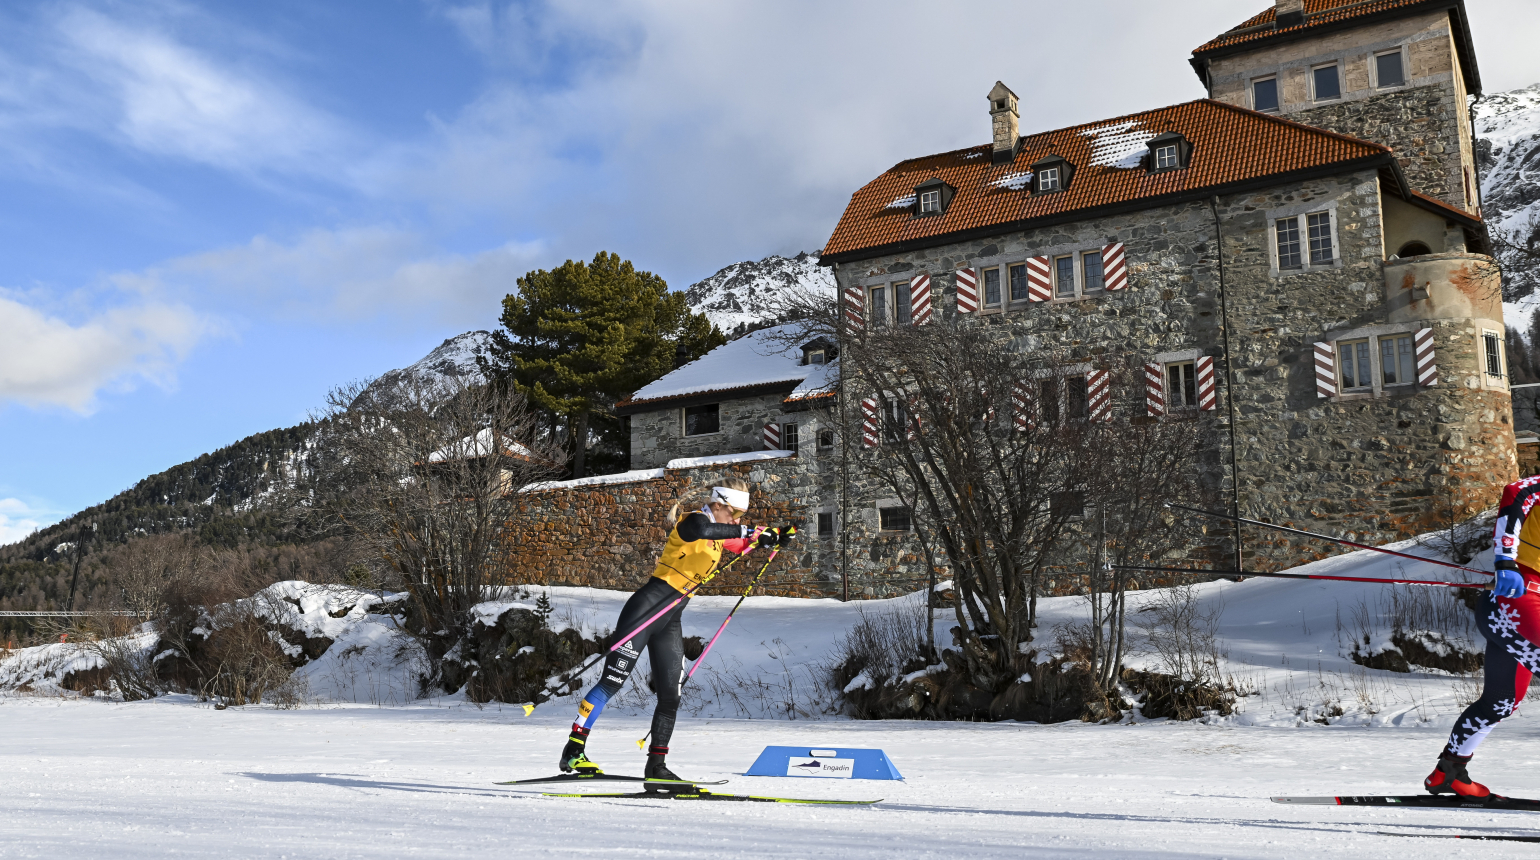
1369, 828
346, 781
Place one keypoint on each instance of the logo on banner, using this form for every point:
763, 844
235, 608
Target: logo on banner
837, 768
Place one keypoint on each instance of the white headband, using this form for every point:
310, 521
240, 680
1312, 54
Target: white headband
730, 497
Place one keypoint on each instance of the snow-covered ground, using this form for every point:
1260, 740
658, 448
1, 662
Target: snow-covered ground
174, 777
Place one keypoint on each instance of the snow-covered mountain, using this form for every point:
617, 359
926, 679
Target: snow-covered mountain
1508, 153
752, 292
454, 359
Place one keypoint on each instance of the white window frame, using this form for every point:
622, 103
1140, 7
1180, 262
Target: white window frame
1048, 180
1374, 69
1166, 388
1005, 288
815, 354
1080, 278
1379, 359
873, 319
930, 201
1334, 64
684, 425
1502, 355
1376, 334
789, 434
1371, 349
1002, 271
1251, 93
889, 504
1160, 156
1299, 213
818, 436
1074, 275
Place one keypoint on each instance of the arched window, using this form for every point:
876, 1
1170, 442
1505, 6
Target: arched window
1413, 249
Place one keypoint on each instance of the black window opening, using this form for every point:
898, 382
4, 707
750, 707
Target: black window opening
901, 307
992, 287
895, 419
1067, 505
879, 307
1414, 249
826, 439
894, 519
826, 524
1388, 71
1076, 397
1181, 386
701, 420
1019, 282
1494, 353
1398, 364
789, 437
1048, 400
1354, 358
1327, 84
1264, 94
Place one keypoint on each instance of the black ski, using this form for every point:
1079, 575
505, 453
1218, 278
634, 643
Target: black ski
609, 777
1422, 801
706, 795
1465, 836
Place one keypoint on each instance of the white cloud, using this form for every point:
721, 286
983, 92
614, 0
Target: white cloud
349, 274
17, 521
47, 361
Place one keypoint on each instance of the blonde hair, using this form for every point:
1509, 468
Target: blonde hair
697, 496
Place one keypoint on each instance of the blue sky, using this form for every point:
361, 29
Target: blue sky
212, 212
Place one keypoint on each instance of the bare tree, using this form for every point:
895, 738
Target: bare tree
420, 475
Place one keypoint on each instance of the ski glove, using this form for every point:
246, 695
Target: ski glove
1510, 583
769, 538
785, 534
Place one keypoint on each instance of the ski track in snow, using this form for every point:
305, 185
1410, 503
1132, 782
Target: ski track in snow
173, 777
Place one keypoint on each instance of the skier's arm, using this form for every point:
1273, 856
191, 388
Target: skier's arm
698, 526
1517, 500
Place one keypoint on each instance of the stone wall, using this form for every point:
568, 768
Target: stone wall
1424, 122
658, 437
1382, 465
609, 534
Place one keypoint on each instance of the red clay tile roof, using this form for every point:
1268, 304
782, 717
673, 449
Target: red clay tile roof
1338, 14
1231, 146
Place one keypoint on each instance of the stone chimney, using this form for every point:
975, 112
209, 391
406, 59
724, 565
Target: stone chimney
1005, 121
1290, 13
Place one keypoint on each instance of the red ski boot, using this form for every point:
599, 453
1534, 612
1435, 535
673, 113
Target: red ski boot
1449, 777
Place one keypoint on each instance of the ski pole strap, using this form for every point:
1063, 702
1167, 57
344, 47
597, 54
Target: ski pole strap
1343, 541
707, 650
1485, 586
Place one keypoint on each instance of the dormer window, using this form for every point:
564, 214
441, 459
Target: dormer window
1051, 174
1169, 151
931, 197
819, 350
815, 357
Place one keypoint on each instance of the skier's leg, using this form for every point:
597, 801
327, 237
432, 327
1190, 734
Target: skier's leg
667, 652
618, 666
1510, 660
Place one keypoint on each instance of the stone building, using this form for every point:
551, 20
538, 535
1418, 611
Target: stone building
1300, 263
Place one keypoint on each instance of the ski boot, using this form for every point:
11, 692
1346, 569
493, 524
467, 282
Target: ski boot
656, 769
573, 758
1449, 777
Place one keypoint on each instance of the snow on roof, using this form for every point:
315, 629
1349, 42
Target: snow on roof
1014, 181
1120, 144
479, 445
902, 201
820, 380
758, 358
618, 478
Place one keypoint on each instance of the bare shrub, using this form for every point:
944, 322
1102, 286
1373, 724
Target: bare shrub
1428, 627
883, 645
241, 660
1184, 636
126, 657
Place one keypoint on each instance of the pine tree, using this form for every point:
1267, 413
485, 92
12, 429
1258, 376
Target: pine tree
580, 337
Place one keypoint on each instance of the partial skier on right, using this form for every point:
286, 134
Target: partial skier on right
1509, 617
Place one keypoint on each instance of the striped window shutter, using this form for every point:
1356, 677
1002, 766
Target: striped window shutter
772, 437
869, 428
1203, 368
1154, 390
967, 291
919, 299
1114, 267
1023, 409
1099, 394
855, 308
1427, 371
1325, 370
1039, 280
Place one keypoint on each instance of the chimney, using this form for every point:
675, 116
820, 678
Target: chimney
1005, 121
1290, 13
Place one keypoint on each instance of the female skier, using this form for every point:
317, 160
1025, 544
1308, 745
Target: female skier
1509, 618
693, 550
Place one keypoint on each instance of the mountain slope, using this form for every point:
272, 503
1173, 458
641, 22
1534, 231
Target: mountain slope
1508, 155
752, 293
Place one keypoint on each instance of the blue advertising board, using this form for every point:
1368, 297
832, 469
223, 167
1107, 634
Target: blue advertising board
824, 762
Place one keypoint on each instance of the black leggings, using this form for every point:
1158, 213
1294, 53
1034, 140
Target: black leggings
664, 641
1511, 659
